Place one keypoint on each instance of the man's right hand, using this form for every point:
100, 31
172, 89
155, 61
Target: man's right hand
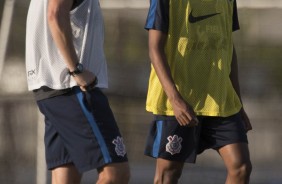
84, 79
184, 113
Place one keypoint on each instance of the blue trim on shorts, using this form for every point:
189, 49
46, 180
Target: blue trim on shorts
94, 127
157, 141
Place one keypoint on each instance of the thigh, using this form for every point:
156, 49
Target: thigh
167, 165
114, 168
66, 174
114, 173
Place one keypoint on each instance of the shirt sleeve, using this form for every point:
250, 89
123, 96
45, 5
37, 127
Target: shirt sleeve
158, 15
235, 25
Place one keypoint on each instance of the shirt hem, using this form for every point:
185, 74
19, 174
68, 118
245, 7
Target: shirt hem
34, 87
199, 113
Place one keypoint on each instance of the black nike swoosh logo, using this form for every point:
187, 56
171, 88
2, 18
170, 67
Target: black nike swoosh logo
193, 19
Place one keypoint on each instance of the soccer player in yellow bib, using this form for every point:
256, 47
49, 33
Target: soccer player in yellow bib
193, 90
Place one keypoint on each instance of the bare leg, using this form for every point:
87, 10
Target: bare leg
117, 173
237, 161
66, 174
167, 172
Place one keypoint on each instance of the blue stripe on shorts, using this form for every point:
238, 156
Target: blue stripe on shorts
157, 141
94, 127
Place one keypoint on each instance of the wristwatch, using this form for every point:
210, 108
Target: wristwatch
78, 70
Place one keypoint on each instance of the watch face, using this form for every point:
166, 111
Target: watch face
79, 67
78, 70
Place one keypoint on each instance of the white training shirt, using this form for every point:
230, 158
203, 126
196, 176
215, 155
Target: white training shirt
45, 65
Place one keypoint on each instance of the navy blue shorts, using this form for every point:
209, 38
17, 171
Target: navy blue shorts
80, 129
168, 140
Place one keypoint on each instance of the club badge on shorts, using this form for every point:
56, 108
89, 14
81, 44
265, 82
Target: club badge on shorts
120, 147
174, 144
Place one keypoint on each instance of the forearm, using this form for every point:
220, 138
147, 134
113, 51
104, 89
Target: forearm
60, 28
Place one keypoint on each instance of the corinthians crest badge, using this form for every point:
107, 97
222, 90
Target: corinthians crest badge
120, 147
174, 144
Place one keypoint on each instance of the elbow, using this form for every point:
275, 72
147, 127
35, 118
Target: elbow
55, 14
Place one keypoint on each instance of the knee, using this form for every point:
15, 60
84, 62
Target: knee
167, 176
121, 179
121, 176
246, 169
242, 171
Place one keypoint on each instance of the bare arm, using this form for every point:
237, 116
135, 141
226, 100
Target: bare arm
182, 110
59, 25
235, 82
